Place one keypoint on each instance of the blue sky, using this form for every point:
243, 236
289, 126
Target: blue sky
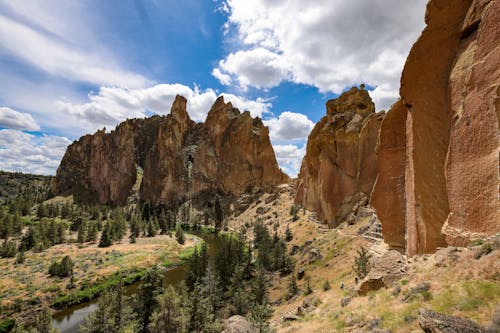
68, 68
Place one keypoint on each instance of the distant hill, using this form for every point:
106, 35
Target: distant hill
13, 184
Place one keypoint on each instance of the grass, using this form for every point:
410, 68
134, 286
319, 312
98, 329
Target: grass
468, 296
90, 292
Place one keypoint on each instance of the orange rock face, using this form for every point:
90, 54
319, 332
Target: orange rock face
444, 133
340, 158
230, 153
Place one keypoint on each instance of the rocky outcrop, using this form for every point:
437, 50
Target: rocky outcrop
434, 322
340, 161
439, 145
385, 271
230, 154
237, 324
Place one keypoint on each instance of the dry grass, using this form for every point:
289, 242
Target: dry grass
30, 280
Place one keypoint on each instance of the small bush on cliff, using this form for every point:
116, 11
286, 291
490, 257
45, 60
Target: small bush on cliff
362, 263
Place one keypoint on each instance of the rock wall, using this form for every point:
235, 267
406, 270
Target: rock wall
230, 153
340, 161
443, 134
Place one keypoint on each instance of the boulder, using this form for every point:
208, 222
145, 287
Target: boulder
434, 322
385, 271
237, 324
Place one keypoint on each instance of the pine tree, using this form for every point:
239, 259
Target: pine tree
179, 234
112, 314
172, 314
82, 233
200, 313
293, 289
219, 213
259, 317
362, 263
44, 321
105, 236
150, 288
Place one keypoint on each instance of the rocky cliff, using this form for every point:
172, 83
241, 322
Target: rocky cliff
340, 164
439, 145
230, 153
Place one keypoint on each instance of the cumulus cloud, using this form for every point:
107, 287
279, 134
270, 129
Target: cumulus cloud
24, 152
112, 105
50, 37
259, 67
325, 43
17, 120
290, 158
289, 126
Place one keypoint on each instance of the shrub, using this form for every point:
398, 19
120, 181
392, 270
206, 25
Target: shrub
64, 268
326, 286
8, 249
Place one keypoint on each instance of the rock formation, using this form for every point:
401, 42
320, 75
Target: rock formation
340, 163
439, 145
230, 153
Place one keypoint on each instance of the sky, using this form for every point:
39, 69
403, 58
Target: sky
68, 68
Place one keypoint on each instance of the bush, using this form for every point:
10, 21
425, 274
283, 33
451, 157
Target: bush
63, 268
326, 286
8, 249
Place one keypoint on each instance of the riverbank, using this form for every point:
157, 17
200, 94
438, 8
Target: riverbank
28, 287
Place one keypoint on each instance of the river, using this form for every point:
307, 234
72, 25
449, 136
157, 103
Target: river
68, 320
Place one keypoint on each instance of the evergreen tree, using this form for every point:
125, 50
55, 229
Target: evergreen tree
92, 232
293, 289
112, 314
43, 322
219, 213
259, 317
259, 288
238, 297
163, 222
64, 268
200, 313
179, 234
362, 263
212, 290
105, 236
82, 233
8, 249
172, 314
150, 288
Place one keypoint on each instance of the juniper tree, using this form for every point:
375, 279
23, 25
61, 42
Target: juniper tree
362, 263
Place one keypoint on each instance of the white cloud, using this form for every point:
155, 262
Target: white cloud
24, 152
17, 120
290, 158
112, 105
224, 79
289, 126
330, 44
44, 36
259, 67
